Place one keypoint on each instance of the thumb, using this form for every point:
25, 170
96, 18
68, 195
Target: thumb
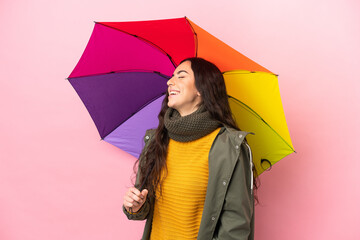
144, 193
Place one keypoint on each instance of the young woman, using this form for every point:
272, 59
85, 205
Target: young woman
195, 173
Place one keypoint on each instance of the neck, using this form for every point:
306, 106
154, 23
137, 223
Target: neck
184, 113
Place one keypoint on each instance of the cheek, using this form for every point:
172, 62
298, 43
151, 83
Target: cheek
190, 87
195, 91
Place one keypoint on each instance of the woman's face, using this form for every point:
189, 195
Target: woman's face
183, 95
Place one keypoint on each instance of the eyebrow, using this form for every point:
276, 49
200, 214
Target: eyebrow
181, 72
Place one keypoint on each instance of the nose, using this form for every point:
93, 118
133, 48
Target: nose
170, 82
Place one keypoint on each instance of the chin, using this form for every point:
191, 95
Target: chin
170, 105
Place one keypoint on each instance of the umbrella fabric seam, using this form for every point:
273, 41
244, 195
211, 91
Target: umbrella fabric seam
195, 36
257, 115
152, 100
123, 71
248, 72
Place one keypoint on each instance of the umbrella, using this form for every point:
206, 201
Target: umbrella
121, 79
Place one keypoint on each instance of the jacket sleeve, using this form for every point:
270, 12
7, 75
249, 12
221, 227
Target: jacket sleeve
236, 218
143, 212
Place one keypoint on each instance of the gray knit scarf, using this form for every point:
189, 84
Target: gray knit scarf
190, 127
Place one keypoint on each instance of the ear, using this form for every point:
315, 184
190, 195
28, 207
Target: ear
197, 93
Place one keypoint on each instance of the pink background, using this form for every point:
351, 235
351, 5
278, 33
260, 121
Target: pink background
59, 181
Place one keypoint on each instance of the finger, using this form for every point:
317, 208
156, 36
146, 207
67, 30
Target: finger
144, 193
127, 205
131, 200
135, 191
135, 194
136, 198
128, 199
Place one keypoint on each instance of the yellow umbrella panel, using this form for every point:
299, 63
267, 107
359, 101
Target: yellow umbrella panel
255, 101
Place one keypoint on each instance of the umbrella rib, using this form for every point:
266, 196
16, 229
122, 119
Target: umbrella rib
145, 40
142, 107
257, 115
248, 72
196, 38
123, 71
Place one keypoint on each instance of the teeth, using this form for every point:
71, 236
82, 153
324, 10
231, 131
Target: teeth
174, 93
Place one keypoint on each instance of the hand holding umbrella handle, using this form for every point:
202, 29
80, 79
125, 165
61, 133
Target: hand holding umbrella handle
134, 199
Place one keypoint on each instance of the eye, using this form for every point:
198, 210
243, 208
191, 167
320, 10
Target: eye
181, 77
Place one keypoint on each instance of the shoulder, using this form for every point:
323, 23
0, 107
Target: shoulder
149, 134
234, 141
230, 144
236, 137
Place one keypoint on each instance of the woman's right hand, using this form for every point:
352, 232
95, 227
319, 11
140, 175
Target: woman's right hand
134, 199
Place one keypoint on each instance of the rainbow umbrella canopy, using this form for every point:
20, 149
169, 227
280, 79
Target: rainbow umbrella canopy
121, 78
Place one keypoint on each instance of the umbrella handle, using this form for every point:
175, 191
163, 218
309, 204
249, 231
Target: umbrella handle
142, 185
146, 177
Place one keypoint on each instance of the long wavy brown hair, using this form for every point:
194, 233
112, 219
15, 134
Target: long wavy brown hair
209, 81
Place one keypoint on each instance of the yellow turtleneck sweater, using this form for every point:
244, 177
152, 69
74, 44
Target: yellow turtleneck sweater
178, 210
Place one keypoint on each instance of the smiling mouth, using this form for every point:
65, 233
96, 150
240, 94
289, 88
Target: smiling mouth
172, 93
